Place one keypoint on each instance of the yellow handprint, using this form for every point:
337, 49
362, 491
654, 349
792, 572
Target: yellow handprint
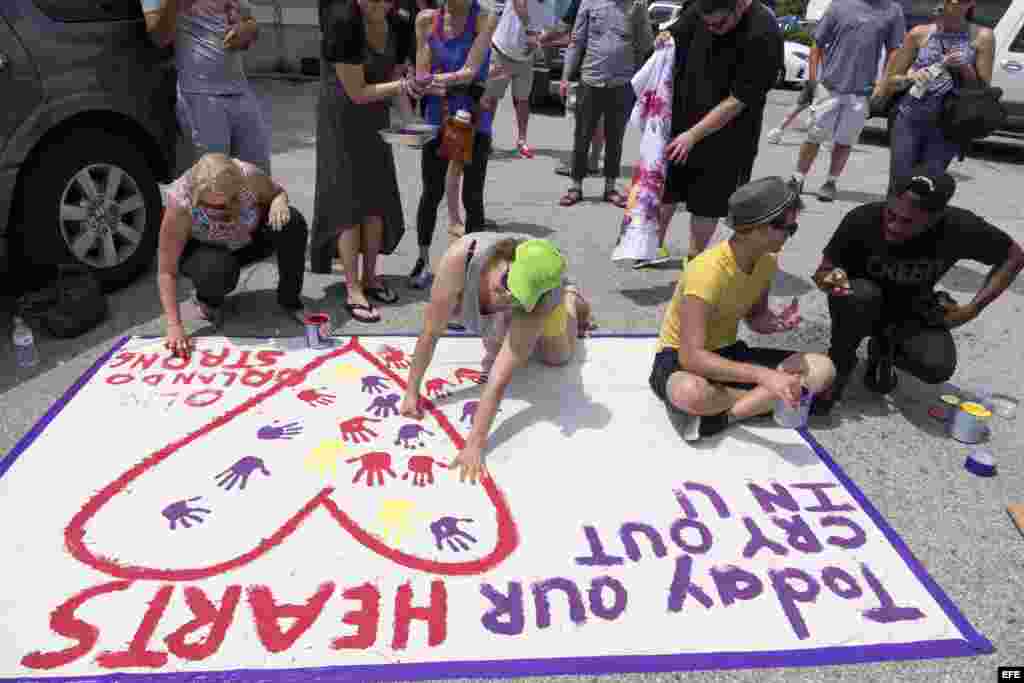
324, 458
396, 519
338, 372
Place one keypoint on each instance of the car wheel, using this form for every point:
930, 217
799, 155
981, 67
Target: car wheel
92, 199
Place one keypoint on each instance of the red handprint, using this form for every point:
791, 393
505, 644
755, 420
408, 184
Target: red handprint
314, 398
462, 374
435, 387
421, 467
356, 429
374, 465
394, 358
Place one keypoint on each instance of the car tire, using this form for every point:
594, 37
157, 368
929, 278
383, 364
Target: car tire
60, 224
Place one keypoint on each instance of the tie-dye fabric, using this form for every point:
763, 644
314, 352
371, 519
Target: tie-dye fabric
652, 114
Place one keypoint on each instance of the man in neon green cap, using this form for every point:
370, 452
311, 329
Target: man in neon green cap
512, 290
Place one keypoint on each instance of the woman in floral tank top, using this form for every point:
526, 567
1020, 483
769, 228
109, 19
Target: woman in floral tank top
965, 53
221, 215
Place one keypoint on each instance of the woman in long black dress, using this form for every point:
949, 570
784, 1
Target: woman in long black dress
357, 204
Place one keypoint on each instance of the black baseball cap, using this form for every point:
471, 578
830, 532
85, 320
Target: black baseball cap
932, 191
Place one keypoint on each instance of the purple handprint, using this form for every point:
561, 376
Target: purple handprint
181, 511
240, 472
469, 411
374, 384
409, 433
384, 406
274, 431
446, 529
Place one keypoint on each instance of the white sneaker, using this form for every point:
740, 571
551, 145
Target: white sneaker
662, 257
775, 136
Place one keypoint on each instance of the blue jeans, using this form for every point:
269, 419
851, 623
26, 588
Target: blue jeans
916, 139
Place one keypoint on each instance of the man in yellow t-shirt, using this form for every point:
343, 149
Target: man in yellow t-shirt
700, 369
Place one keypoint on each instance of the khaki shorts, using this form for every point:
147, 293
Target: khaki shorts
519, 74
839, 118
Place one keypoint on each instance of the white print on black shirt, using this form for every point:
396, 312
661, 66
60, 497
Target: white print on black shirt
908, 272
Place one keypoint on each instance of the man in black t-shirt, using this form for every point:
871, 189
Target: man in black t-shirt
880, 269
728, 56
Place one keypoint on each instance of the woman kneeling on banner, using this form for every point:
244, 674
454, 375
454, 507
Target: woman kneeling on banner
512, 290
223, 214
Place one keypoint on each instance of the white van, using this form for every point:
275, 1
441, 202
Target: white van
1005, 18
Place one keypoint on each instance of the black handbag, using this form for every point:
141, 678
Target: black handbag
70, 307
885, 105
972, 112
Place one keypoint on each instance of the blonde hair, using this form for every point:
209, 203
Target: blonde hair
216, 172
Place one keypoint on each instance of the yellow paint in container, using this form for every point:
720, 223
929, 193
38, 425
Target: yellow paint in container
970, 424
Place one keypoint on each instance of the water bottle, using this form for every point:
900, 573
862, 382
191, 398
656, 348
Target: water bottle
24, 344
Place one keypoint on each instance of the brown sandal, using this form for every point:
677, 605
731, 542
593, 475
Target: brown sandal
571, 196
616, 198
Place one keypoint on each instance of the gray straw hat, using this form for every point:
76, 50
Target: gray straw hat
761, 201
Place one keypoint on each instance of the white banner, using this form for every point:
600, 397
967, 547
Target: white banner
262, 510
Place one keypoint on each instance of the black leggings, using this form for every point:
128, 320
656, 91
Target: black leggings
214, 270
926, 352
434, 169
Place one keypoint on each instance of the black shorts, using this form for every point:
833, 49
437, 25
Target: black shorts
705, 189
666, 362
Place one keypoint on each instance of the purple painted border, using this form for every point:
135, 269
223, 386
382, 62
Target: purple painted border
973, 644
974, 638
47, 417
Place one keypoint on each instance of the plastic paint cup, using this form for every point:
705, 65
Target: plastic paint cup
970, 423
981, 462
794, 418
318, 328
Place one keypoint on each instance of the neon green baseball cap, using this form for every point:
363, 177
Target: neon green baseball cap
537, 269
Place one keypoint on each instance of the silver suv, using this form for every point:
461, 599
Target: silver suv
87, 131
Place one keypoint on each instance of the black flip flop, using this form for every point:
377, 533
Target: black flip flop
352, 308
382, 294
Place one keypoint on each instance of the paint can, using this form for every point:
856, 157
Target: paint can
970, 424
794, 417
318, 328
981, 462
946, 408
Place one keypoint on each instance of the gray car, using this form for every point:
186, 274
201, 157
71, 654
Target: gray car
87, 133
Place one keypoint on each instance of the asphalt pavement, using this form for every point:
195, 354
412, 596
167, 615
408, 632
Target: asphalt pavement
954, 522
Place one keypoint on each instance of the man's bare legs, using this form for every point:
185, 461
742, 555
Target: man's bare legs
702, 229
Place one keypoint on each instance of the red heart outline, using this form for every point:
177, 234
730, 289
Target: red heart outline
74, 533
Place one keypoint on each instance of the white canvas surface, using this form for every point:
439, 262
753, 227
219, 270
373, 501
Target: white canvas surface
587, 445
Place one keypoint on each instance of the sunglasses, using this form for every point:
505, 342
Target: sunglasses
788, 227
504, 286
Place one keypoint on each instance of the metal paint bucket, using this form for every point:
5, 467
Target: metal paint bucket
318, 328
970, 424
946, 408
